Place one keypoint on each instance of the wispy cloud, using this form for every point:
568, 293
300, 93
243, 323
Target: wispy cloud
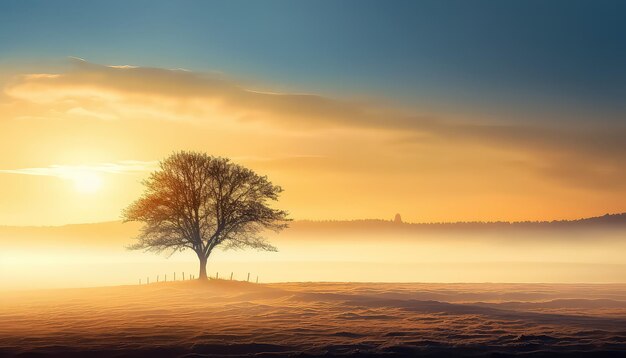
70, 171
587, 156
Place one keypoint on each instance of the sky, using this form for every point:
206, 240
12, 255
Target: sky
441, 111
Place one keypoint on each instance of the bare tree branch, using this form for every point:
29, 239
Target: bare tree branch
199, 202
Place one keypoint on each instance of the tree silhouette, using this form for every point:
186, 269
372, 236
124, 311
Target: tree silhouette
198, 202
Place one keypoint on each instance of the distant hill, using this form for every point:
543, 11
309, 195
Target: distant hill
605, 221
104, 234
118, 234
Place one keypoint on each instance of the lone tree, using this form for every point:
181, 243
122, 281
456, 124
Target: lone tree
198, 202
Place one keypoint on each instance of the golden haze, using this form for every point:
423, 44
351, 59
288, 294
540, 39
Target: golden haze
336, 158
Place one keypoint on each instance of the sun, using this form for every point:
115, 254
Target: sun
86, 182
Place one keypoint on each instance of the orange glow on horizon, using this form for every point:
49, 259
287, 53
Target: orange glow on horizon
335, 159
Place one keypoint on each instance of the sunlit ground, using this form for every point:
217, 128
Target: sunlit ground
555, 290
238, 318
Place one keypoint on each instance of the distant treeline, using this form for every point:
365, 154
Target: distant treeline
605, 221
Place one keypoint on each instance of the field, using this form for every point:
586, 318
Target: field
231, 318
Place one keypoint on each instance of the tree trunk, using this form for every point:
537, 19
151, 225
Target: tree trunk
202, 276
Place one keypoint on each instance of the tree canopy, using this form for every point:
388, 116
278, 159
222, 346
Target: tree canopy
199, 202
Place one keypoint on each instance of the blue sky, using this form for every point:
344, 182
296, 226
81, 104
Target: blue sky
530, 56
515, 105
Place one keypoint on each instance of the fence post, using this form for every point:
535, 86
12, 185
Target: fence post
157, 278
174, 275
248, 279
165, 278
183, 275
148, 280
231, 276
257, 278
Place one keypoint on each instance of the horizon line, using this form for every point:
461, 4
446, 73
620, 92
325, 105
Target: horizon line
623, 213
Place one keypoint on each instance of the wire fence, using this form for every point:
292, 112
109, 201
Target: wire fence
190, 277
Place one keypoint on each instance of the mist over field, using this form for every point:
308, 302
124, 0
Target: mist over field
399, 178
85, 255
